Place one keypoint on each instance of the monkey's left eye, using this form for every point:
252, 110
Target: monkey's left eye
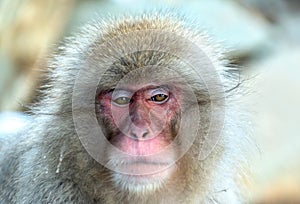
121, 101
159, 98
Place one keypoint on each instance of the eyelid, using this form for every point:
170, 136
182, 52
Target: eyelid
120, 93
157, 91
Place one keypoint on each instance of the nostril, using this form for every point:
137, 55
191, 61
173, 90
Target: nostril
145, 134
138, 133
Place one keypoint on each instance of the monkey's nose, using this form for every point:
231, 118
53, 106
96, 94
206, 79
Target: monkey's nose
139, 132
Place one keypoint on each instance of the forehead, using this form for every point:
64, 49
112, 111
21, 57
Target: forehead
141, 69
142, 88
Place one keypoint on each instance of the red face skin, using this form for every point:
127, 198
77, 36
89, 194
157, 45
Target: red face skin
142, 117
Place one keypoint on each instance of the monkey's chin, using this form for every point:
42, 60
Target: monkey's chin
143, 183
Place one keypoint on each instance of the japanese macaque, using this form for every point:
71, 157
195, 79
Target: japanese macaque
139, 109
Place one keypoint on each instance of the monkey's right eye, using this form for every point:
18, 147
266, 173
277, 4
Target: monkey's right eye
122, 101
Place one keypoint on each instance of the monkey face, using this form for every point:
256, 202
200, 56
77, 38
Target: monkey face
140, 117
147, 107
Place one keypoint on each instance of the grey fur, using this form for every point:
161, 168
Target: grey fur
47, 163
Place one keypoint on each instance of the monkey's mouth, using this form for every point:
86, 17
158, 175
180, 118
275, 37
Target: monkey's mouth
142, 166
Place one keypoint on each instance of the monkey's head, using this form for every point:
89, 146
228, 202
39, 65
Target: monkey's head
151, 90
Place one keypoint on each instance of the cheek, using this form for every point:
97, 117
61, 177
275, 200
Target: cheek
169, 113
105, 118
107, 110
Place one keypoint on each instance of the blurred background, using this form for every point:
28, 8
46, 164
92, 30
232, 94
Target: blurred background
264, 39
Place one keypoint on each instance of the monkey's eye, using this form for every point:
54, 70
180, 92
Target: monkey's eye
121, 97
121, 101
159, 98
